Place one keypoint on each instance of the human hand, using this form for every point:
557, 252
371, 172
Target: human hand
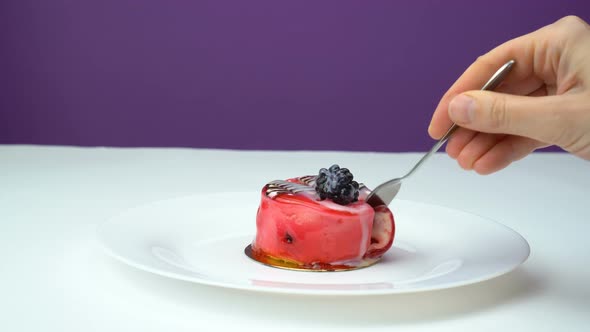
545, 100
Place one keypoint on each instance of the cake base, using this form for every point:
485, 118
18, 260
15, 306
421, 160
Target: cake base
320, 267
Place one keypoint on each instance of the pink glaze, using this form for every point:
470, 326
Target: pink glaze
305, 230
302, 230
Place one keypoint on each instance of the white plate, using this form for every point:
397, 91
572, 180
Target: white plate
202, 239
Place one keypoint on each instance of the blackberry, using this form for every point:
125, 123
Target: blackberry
336, 184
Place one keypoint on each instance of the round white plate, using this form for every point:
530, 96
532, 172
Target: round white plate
202, 238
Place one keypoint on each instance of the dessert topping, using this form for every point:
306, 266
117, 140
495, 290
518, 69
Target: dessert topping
337, 184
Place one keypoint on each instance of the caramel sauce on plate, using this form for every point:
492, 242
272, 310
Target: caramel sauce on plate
268, 260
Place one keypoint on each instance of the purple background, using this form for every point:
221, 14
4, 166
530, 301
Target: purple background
342, 75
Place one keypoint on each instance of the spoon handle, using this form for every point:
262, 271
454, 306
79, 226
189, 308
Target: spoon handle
491, 84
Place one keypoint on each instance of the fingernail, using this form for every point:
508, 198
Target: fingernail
462, 109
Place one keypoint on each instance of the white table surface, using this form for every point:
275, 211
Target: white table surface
54, 277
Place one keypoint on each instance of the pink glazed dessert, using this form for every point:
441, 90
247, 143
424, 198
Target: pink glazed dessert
320, 223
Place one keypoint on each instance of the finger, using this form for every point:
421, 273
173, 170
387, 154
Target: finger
462, 136
508, 150
524, 50
458, 141
477, 147
525, 87
544, 119
474, 78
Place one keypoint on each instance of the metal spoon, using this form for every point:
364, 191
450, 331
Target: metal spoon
385, 192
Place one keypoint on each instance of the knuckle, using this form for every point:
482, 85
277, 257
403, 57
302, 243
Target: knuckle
480, 58
571, 24
498, 114
484, 60
572, 20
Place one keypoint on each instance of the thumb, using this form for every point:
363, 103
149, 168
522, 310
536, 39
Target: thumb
491, 112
